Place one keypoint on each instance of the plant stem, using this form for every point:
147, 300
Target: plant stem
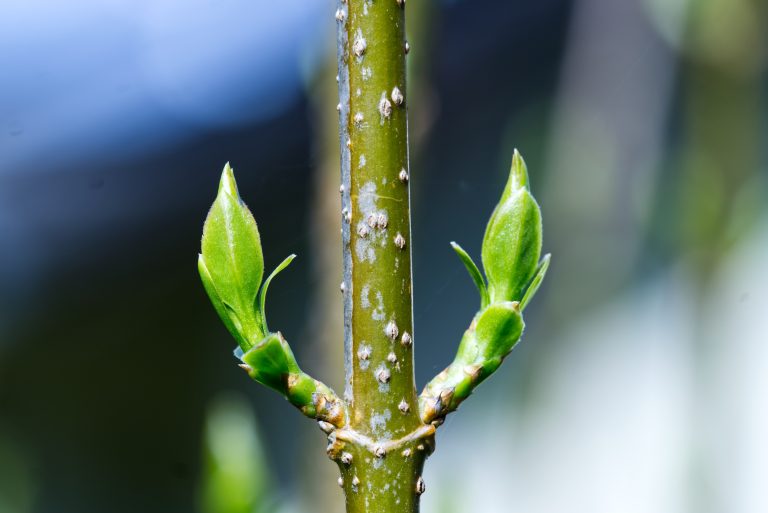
385, 438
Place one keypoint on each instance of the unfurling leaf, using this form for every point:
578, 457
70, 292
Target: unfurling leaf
263, 294
536, 281
474, 273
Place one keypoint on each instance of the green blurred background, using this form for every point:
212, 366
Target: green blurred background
639, 386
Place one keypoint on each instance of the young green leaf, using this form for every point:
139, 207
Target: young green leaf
512, 241
263, 294
231, 252
536, 281
474, 273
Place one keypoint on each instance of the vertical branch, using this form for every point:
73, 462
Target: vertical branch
375, 201
377, 286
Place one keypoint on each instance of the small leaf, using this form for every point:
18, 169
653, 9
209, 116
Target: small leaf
263, 294
474, 272
512, 241
231, 249
536, 281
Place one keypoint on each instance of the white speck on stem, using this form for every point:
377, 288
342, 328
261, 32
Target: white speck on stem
397, 96
391, 330
392, 358
383, 375
363, 231
385, 107
403, 176
360, 45
407, 48
364, 354
420, 486
338, 107
379, 451
343, 287
340, 15
358, 119
399, 241
346, 458
382, 221
403, 406
406, 453
406, 339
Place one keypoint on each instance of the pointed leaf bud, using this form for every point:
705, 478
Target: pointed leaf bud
512, 242
232, 257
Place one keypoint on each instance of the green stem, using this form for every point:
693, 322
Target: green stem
382, 450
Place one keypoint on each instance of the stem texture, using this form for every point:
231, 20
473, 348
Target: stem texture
382, 449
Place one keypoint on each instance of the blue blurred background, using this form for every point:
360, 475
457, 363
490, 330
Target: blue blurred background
640, 384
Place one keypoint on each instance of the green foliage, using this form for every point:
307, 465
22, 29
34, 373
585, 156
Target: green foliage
510, 253
511, 245
369, 442
231, 264
512, 242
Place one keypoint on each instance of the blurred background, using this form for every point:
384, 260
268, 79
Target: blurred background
640, 384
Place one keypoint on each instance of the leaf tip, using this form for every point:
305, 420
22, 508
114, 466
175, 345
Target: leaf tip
518, 174
227, 183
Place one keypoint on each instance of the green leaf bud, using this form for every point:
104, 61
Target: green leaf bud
231, 263
512, 242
